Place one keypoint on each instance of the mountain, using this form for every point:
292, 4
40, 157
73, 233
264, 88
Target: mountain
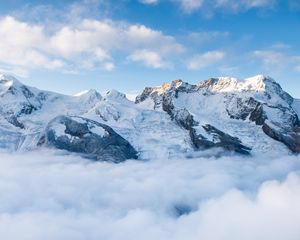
251, 116
231, 113
88, 138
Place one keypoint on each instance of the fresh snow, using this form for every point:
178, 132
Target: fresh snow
59, 129
151, 131
99, 131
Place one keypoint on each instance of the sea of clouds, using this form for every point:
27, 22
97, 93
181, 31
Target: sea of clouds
45, 195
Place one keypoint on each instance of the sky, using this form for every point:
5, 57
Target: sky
69, 46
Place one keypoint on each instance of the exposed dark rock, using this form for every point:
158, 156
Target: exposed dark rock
186, 120
265, 101
144, 95
227, 141
199, 141
239, 108
27, 109
257, 115
284, 126
291, 138
27, 93
208, 83
181, 116
14, 121
274, 87
89, 138
221, 139
28, 101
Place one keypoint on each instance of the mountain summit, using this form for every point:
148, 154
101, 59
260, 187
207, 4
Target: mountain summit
248, 116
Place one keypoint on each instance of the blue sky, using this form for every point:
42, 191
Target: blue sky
69, 46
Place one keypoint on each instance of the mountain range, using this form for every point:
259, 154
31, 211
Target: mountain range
217, 116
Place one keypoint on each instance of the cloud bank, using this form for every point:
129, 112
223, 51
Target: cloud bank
51, 196
86, 44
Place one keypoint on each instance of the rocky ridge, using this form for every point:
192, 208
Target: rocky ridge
248, 116
259, 99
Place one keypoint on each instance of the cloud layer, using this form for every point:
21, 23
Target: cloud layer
50, 196
85, 45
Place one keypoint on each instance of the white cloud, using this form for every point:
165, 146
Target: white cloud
205, 37
88, 36
140, 36
49, 195
294, 4
213, 5
244, 5
280, 45
269, 57
191, 5
150, 59
200, 61
17, 71
278, 59
149, 1
22, 45
86, 44
109, 66
270, 215
297, 68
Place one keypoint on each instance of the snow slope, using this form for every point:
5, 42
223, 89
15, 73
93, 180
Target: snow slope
228, 104
236, 107
152, 133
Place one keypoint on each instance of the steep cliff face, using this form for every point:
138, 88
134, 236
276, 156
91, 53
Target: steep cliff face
91, 139
245, 116
230, 106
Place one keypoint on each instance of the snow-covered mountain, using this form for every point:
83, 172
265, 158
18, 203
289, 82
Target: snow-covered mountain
250, 116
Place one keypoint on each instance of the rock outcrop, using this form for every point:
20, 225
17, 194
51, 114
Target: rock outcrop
254, 115
89, 138
164, 98
259, 99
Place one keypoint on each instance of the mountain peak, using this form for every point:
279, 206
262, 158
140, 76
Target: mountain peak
226, 112
88, 94
257, 83
260, 84
6, 82
167, 86
115, 95
6, 77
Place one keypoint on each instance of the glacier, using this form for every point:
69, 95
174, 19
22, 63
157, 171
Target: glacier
251, 116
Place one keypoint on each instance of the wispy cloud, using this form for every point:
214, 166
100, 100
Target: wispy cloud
277, 59
206, 36
149, 1
294, 4
150, 59
200, 61
234, 6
